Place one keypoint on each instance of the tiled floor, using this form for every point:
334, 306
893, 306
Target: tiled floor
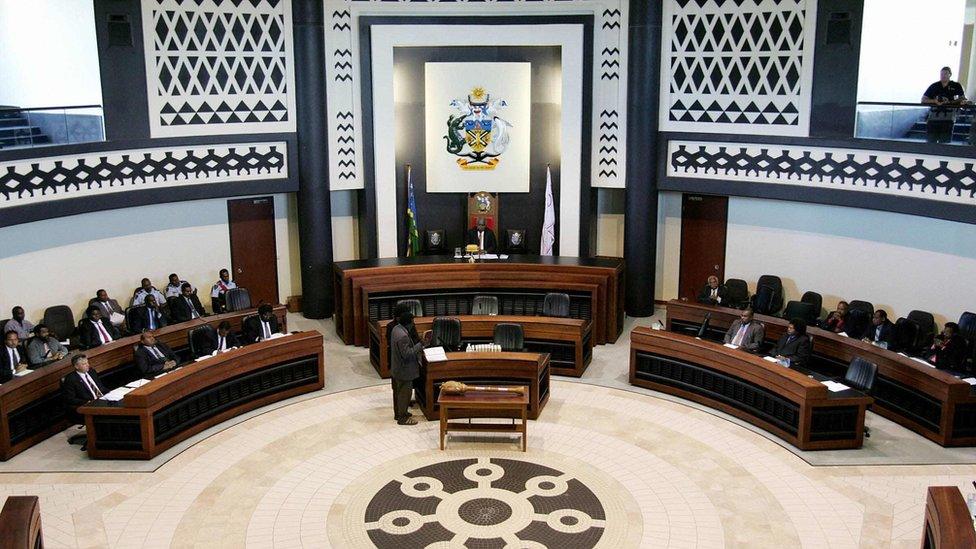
605, 468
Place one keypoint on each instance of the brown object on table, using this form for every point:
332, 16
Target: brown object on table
542, 334
785, 402
458, 388
948, 523
366, 290
931, 402
483, 404
174, 407
31, 408
20, 523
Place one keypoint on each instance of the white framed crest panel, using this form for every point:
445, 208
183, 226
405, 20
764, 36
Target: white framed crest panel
734, 66
609, 120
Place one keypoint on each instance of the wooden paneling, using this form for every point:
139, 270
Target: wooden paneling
948, 522
20, 523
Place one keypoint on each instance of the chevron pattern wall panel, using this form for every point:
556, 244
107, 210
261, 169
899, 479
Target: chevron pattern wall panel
36, 180
219, 66
738, 66
941, 178
609, 117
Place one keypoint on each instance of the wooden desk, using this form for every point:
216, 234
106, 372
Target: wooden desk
20, 523
367, 290
530, 369
567, 340
933, 403
483, 404
948, 523
783, 401
172, 408
31, 408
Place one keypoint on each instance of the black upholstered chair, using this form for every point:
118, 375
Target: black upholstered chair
435, 242
3, 324
61, 321
237, 299
515, 241
906, 336
414, 304
556, 304
131, 313
860, 376
801, 310
967, 326
815, 299
738, 293
857, 323
509, 337
196, 337
447, 333
858, 305
768, 299
926, 327
484, 305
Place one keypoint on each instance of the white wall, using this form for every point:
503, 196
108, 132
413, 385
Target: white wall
668, 245
65, 260
48, 53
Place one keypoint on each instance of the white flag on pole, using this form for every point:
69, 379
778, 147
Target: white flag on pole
549, 221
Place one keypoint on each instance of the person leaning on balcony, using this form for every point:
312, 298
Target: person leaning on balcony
941, 120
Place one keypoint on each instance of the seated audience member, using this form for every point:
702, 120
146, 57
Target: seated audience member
13, 359
110, 307
835, 320
262, 326
746, 333
220, 289
187, 306
482, 236
175, 286
153, 357
714, 293
81, 386
881, 330
220, 340
147, 289
948, 352
19, 324
95, 330
44, 348
794, 345
150, 318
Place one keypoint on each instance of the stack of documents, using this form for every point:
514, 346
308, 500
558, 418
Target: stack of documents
137, 383
435, 354
116, 395
834, 386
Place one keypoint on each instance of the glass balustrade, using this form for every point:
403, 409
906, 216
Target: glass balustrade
44, 126
950, 124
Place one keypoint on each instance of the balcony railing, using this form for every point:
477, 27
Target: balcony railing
951, 124
43, 126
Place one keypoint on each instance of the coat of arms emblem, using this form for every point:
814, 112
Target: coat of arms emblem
517, 238
476, 135
435, 238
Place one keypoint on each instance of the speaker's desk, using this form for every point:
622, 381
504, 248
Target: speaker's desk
171, 408
567, 340
367, 290
514, 369
933, 403
31, 407
783, 401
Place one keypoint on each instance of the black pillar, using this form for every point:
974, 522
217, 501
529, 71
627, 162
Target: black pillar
314, 208
640, 221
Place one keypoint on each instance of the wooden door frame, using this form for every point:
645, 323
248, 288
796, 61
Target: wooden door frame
274, 233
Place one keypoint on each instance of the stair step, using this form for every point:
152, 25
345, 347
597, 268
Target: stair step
27, 140
20, 131
13, 121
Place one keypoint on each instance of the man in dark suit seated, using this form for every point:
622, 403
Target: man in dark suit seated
262, 326
95, 330
44, 348
13, 358
746, 333
714, 293
109, 307
187, 306
948, 352
482, 236
150, 317
153, 357
881, 332
794, 345
80, 387
835, 321
220, 340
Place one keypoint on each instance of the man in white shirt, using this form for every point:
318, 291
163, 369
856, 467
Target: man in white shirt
175, 286
144, 290
13, 358
218, 294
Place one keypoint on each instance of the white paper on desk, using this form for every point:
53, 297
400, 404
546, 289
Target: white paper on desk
23, 373
843, 334
502, 256
435, 354
922, 361
771, 359
970, 380
116, 319
276, 336
116, 394
730, 346
204, 357
137, 383
835, 387
489, 256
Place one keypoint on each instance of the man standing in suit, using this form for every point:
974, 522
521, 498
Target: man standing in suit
110, 307
713, 293
81, 387
220, 340
150, 317
794, 345
147, 289
95, 330
482, 236
13, 358
261, 327
218, 293
187, 306
44, 348
153, 357
405, 349
882, 331
746, 333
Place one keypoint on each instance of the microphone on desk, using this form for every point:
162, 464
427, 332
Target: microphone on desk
704, 326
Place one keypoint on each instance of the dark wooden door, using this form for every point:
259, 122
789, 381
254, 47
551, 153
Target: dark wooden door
253, 256
704, 222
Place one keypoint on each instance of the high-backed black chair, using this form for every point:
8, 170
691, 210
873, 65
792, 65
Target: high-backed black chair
906, 336
860, 376
447, 333
61, 321
815, 299
967, 326
801, 310
926, 327
555, 304
509, 336
196, 337
857, 323
858, 305
130, 314
435, 242
237, 299
769, 301
3, 324
515, 241
484, 305
738, 293
414, 304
